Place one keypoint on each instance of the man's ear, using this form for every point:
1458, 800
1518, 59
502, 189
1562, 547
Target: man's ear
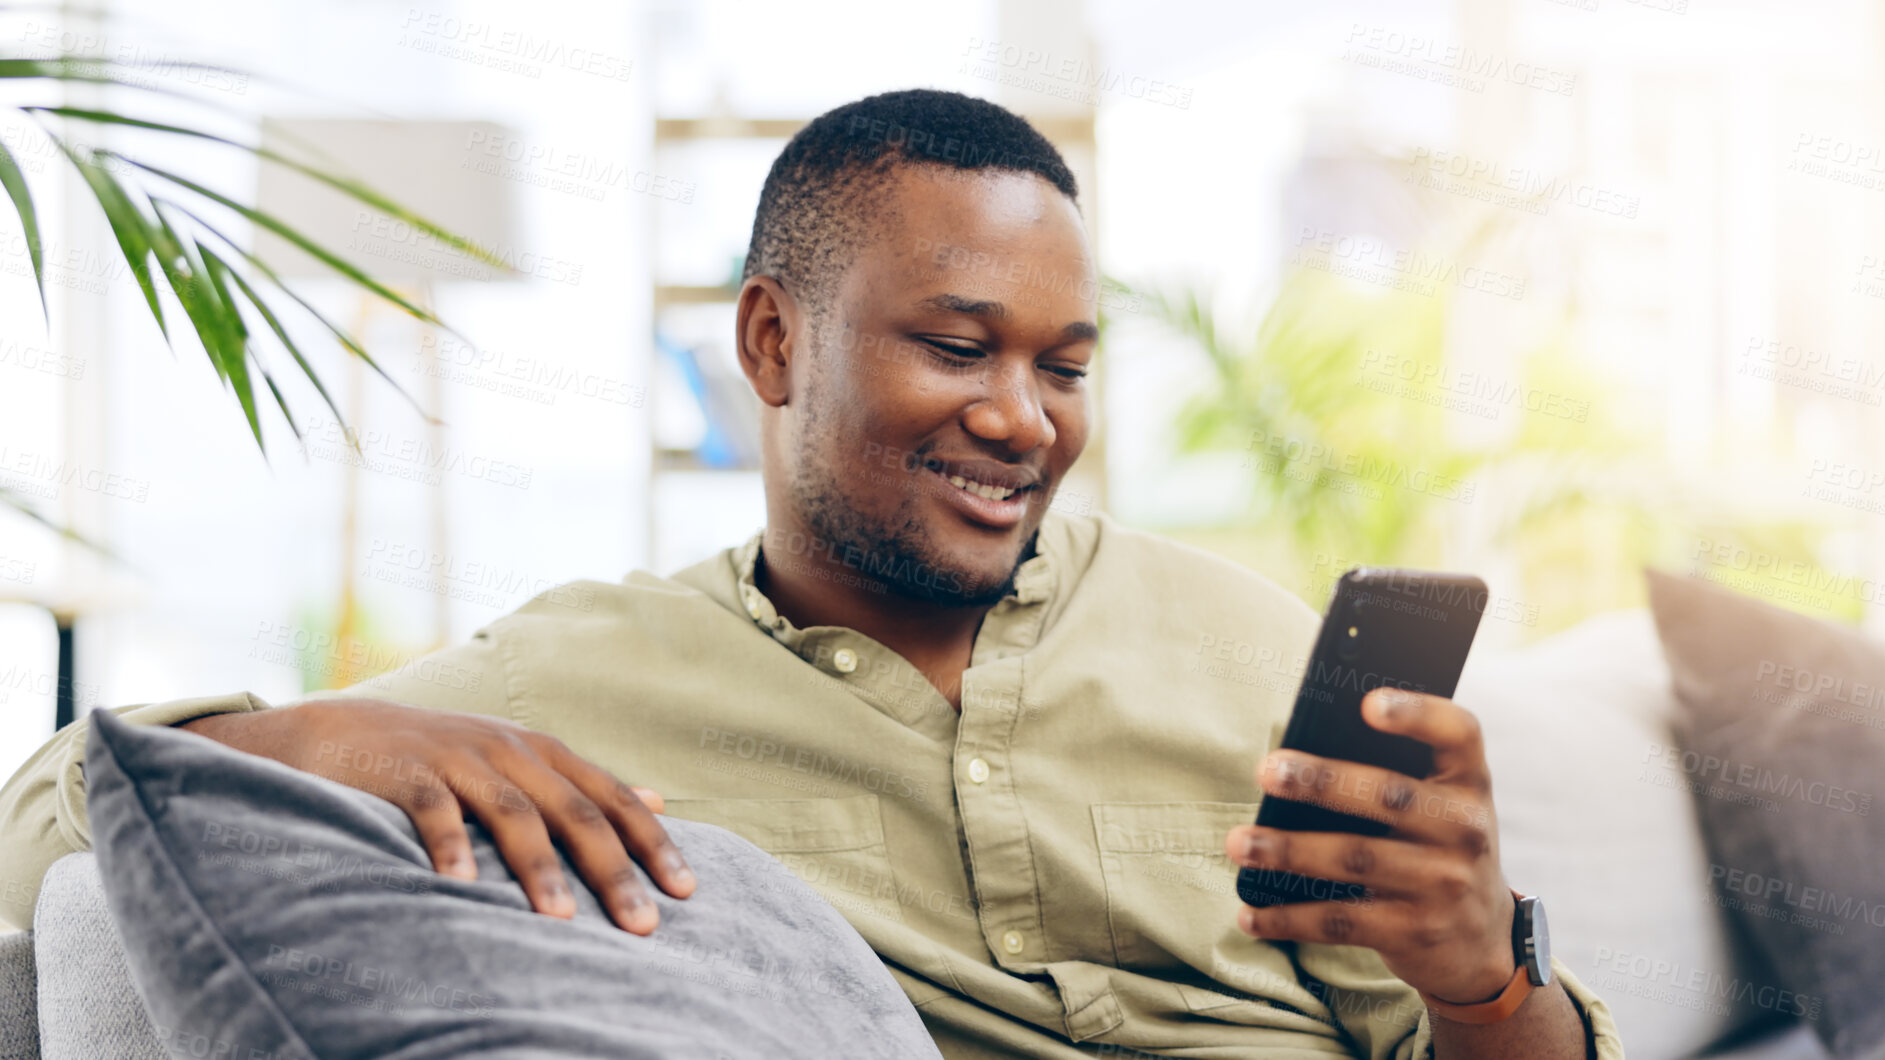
767, 336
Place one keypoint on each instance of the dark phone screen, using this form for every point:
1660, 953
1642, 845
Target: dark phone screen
1405, 628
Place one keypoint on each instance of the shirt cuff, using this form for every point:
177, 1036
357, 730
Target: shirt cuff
75, 827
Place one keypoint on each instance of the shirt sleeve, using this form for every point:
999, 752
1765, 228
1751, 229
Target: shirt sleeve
42, 809
1387, 1020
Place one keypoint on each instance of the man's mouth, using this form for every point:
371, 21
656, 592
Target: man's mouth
992, 494
982, 489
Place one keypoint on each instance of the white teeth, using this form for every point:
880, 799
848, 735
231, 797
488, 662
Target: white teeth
993, 493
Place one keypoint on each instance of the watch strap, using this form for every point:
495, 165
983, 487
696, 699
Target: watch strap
1500, 1007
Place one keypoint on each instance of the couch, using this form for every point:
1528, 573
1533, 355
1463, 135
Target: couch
1568, 723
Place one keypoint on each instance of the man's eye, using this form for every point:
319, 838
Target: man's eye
1067, 372
952, 350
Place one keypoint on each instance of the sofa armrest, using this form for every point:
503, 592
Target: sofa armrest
87, 1005
19, 996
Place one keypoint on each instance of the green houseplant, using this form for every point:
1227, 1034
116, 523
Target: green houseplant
233, 303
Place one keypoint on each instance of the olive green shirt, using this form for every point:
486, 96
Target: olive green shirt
1043, 873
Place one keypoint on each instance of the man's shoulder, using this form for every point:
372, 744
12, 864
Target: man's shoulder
641, 598
1120, 558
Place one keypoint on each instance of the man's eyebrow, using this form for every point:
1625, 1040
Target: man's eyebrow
1079, 330
955, 303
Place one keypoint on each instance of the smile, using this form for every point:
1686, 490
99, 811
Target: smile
982, 489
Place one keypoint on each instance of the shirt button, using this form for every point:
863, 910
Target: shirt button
752, 605
1012, 942
844, 659
978, 772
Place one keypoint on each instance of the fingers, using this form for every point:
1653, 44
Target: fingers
633, 819
522, 838
1439, 812
1452, 730
587, 832
1337, 923
440, 822
650, 798
1387, 867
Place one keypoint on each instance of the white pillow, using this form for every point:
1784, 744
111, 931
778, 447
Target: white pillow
1575, 726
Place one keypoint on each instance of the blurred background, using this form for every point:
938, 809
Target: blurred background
1548, 290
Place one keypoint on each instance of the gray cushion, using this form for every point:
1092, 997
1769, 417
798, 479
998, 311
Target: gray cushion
88, 1007
272, 912
19, 1007
1782, 740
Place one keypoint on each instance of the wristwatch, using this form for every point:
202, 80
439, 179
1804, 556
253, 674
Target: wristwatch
1531, 950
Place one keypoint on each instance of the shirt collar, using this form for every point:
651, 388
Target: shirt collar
1033, 586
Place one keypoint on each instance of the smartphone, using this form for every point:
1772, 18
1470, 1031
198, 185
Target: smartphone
1409, 629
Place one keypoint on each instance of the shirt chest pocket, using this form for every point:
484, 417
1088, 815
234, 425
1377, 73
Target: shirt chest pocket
835, 845
1169, 887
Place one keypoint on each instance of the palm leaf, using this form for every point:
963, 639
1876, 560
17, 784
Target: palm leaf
126, 224
352, 188
347, 341
208, 284
15, 183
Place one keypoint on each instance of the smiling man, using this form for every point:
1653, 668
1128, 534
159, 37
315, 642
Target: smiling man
997, 737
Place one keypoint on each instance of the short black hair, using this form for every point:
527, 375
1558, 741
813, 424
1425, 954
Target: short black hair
825, 190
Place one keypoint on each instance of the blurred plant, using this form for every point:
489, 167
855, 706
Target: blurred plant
228, 296
1363, 445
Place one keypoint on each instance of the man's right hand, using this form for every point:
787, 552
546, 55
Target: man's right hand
527, 789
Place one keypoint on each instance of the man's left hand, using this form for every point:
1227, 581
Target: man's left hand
1439, 911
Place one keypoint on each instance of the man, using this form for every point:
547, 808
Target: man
994, 736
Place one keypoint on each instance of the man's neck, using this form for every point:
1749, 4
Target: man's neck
936, 638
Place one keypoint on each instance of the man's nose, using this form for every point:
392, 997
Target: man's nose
1010, 411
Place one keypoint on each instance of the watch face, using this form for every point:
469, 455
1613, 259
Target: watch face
1540, 964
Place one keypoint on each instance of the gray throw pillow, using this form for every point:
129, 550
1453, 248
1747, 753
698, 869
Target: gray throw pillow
1781, 734
271, 913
